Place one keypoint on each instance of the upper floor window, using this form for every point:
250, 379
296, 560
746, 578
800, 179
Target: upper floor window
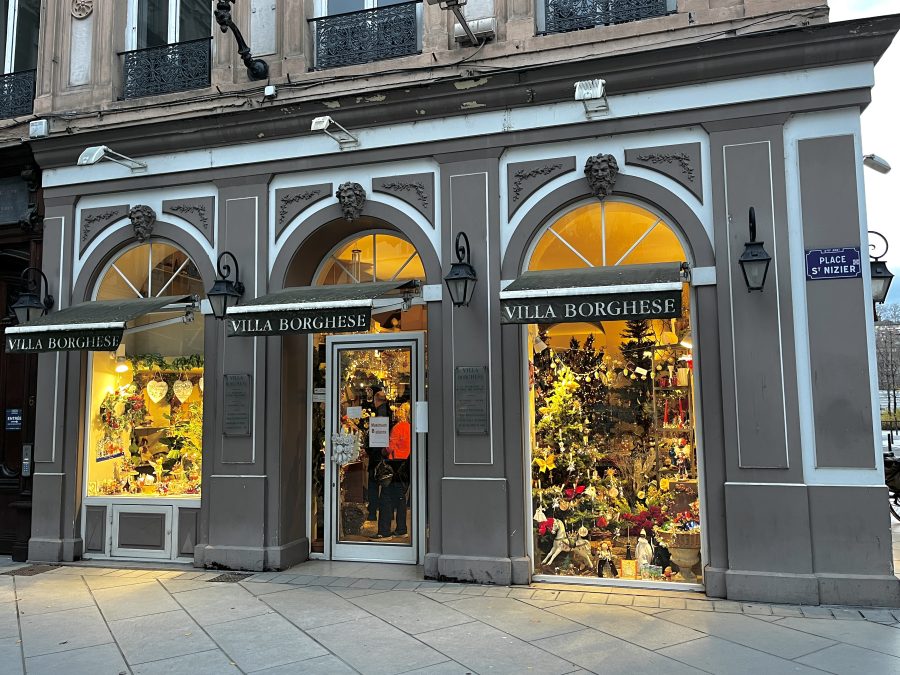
352, 32
169, 43
19, 42
154, 23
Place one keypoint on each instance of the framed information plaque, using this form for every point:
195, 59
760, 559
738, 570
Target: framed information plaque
470, 396
238, 405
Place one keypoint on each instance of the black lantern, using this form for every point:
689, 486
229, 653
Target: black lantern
29, 306
754, 261
225, 293
461, 278
881, 275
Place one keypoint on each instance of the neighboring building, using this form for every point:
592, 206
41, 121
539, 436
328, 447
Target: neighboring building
611, 373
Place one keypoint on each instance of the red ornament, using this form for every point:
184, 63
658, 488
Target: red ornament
602, 522
545, 527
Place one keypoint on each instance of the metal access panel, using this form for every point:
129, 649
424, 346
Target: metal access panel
140, 531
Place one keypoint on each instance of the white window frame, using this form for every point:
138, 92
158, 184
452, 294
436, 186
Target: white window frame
172, 36
11, 20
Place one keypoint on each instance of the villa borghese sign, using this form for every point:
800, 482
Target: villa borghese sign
592, 308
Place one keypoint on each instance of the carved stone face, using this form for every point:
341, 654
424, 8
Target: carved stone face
142, 220
352, 198
601, 172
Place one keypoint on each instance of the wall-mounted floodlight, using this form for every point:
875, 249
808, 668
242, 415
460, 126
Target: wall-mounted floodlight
877, 163
96, 153
455, 6
592, 94
339, 134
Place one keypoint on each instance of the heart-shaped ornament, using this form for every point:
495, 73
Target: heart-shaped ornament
157, 390
182, 389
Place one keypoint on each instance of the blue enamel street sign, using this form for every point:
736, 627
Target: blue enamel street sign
833, 263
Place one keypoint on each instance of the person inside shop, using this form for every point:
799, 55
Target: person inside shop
380, 408
393, 495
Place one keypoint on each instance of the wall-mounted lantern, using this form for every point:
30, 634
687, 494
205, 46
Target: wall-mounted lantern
461, 278
754, 261
225, 293
30, 306
257, 69
881, 275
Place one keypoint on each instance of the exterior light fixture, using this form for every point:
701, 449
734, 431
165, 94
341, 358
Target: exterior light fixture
461, 278
341, 136
95, 153
456, 6
225, 293
121, 360
881, 275
29, 306
257, 69
754, 261
875, 162
592, 94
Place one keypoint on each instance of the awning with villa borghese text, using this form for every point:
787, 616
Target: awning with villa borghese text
96, 326
341, 308
594, 294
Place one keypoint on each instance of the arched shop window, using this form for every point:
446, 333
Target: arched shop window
614, 478
368, 258
145, 410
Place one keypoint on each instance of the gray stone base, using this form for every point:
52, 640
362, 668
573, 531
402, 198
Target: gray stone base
714, 582
476, 569
790, 589
255, 559
849, 589
54, 550
521, 570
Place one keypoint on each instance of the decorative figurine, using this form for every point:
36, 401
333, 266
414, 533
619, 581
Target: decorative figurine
605, 565
643, 550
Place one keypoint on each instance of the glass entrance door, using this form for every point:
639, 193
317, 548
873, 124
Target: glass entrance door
372, 459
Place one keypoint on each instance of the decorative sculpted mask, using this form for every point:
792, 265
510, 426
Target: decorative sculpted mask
352, 198
142, 220
601, 172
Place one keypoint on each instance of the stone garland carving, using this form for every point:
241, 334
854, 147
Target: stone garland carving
418, 187
522, 177
81, 9
681, 158
142, 218
88, 221
601, 172
288, 199
199, 209
352, 198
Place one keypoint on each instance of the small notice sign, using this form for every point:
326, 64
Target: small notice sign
354, 412
833, 263
238, 404
379, 432
14, 419
470, 393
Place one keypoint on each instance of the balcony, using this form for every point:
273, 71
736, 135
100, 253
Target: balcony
367, 35
17, 93
561, 16
162, 70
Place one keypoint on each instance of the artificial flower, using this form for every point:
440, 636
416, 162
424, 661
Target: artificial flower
602, 522
547, 464
664, 484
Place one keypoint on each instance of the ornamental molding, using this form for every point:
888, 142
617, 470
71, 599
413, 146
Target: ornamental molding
601, 172
352, 198
94, 221
197, 211
291, 202
416, 189
681, 162
81, 9
525, 178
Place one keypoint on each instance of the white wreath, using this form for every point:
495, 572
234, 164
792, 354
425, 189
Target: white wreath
344, 448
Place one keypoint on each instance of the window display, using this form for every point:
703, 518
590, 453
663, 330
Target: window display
614, 478
145, 403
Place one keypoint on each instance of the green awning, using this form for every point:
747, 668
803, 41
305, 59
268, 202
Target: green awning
96, 326
594, 294
342, 308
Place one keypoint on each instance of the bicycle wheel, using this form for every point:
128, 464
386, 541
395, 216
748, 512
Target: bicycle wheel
894, 502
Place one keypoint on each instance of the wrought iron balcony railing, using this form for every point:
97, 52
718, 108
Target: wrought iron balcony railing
166, 69
565, 15
17, 93
367, 35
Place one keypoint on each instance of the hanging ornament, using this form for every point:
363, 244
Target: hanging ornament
157, 390
582, 531
564, 505
613, 493
200, 384
539, 516
182, 390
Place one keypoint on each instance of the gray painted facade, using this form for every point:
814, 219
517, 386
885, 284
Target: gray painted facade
793, 506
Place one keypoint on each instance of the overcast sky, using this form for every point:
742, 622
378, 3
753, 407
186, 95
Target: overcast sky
879, 131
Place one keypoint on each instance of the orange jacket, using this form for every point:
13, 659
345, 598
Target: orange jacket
399, 443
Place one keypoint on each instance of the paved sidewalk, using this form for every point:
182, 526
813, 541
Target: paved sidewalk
323, 617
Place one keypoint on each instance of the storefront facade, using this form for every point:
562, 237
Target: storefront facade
612, 405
